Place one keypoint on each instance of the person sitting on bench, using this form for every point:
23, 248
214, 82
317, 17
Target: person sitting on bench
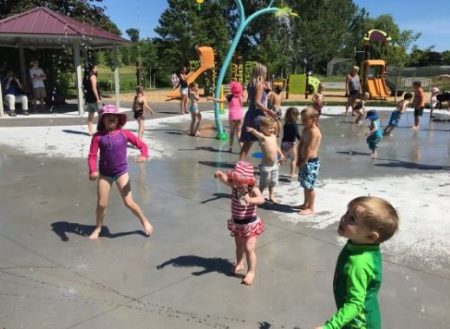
13, 91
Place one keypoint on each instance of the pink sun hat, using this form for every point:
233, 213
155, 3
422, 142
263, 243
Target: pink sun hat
236, 88
242, 174
112, 109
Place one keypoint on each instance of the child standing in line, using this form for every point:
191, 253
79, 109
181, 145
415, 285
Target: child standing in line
368, 222
196, 116
140, 105
318, 100
112, 142
269, 168
397, 113
375, 135
359, 109
418, 103
235, 110
245, 226
433, 100
308, 159
290, 135
274, 100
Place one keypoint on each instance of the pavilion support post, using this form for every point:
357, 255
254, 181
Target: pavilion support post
77, 63
23, 73
116, 77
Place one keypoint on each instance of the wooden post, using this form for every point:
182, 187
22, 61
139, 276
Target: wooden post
78, 80
116, 77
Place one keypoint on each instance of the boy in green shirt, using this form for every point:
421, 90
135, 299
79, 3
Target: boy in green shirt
368, 222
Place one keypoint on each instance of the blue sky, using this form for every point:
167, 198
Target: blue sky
431, 18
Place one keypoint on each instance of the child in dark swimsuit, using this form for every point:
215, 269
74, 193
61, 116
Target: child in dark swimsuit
139, 107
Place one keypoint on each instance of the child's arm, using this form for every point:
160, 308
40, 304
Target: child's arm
133, 139
356, 291
210, 98
256, 133
92, 157
280, 154
256, 198
222, 177
148, 108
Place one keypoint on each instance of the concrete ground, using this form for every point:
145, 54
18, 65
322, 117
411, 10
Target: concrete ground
52, 276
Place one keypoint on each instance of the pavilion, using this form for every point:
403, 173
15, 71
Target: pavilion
41, 27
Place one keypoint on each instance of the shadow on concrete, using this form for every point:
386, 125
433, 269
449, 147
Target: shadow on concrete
268, 205
411, 165
62, 228
352, 153
76, 132
209, 265
218, 164
217, 196
204, 148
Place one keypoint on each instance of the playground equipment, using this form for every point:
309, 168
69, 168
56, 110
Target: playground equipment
374, 70
375, 82
297, 84
206, 56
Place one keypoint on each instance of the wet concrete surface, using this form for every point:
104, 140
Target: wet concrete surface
52, 276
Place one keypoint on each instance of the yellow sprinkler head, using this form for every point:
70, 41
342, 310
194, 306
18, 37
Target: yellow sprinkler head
200, 3
285, 11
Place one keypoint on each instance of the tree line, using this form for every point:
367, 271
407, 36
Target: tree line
324, 29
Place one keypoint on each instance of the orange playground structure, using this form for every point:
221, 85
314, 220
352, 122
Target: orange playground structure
206, 56
375, 82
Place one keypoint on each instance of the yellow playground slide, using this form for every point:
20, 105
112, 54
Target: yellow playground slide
206, 55
377, 88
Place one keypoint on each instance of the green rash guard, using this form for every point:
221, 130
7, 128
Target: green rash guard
357, 280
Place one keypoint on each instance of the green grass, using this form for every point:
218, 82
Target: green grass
127, 76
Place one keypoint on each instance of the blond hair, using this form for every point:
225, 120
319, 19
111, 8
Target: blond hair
267, 122
310, 112
377, 214
259, 74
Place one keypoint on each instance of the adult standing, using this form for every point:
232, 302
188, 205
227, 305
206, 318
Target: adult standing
257, 91
184, 89
13, 91
418, 103
91, 95
352, 88
38, 76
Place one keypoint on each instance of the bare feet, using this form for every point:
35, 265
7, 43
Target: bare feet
237, 268
95, 234
273, 200
248, 280
301, 207
374, 155
306, 211
148, 228
197, 134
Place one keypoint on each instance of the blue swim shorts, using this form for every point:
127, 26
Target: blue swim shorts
308, 174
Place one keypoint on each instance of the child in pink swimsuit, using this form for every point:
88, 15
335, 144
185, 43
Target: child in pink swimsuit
235, 110
245, 226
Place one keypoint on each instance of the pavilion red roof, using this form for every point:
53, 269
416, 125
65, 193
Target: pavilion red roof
43, 21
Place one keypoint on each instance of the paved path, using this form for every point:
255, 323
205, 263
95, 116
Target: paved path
52, 276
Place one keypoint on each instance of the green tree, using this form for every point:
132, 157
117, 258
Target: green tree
183, 26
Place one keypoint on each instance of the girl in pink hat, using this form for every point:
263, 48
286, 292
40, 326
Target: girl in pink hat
112, 142
245, 226
235, 110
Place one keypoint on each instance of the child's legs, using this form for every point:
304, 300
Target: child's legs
124, 186
193, 118
90, 121
310, 197
293, 162
103, 189
250, 254
240, 251
197, 123
238, 128
234, 130
141, 124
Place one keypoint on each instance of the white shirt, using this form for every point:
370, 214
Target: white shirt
34, 74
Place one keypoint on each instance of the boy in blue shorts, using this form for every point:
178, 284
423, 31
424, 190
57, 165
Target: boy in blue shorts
308, 158
397, 113
375, 135
368, 222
